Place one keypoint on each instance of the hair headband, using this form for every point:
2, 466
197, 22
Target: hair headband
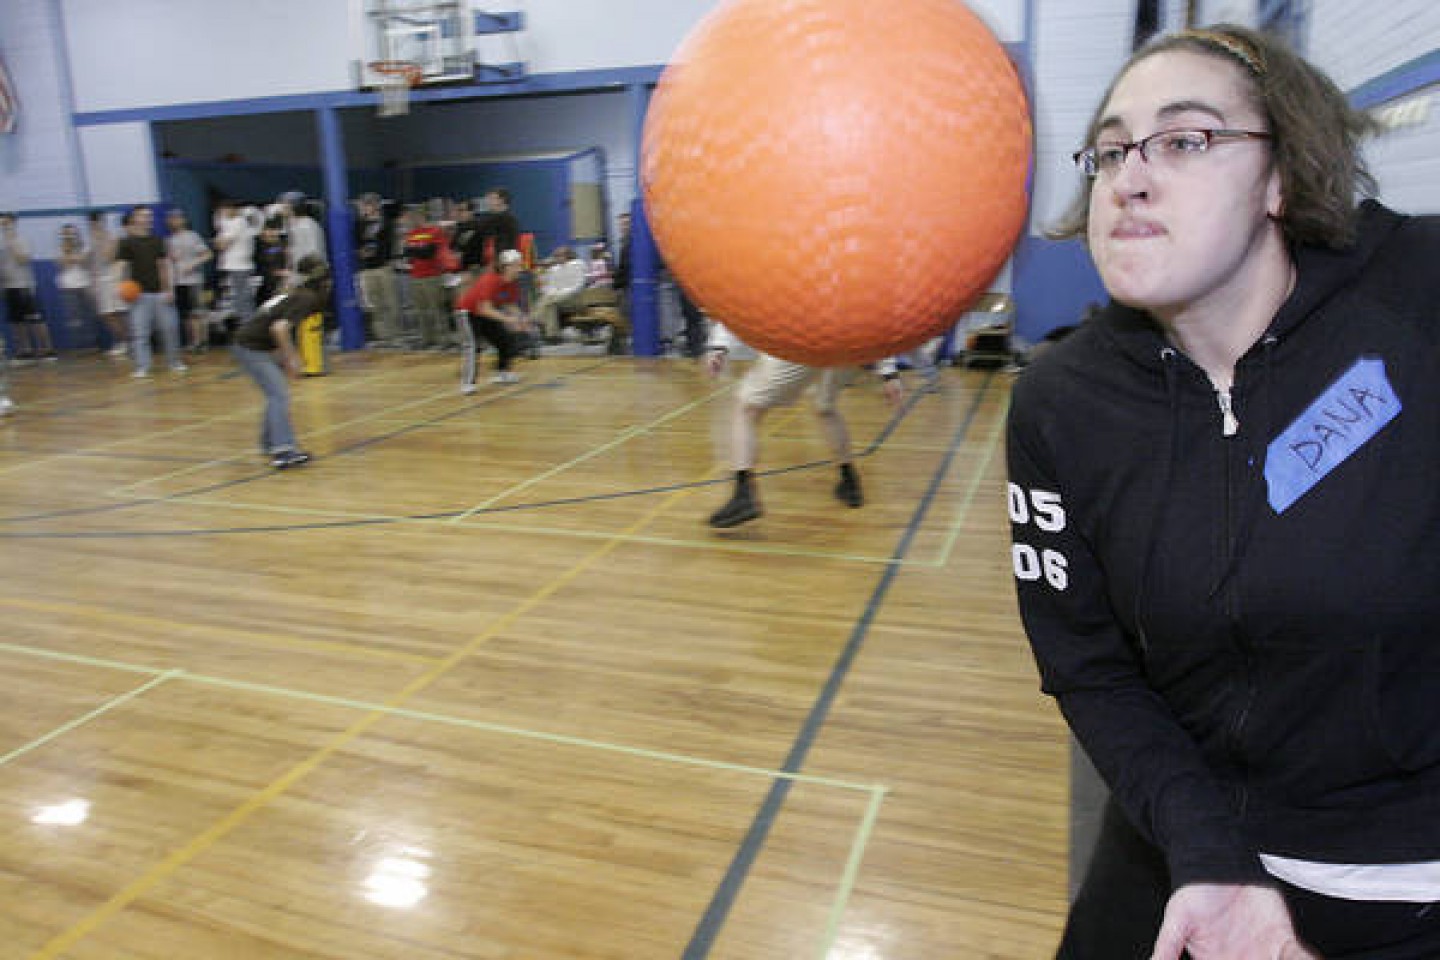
1234, 46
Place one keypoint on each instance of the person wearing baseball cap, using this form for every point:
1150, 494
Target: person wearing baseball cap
491, 309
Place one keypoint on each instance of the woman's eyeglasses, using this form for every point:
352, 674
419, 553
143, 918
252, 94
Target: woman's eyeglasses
1167, 148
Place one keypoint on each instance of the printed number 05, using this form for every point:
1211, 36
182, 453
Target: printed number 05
1042, 506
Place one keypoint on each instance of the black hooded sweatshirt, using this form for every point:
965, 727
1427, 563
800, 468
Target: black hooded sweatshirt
1243, 631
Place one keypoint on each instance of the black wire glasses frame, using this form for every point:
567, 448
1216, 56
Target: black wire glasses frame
1167, 146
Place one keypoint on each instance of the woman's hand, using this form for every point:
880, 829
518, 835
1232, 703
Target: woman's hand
1218, 921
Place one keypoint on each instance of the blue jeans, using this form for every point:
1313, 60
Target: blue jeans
144, 313
276, 433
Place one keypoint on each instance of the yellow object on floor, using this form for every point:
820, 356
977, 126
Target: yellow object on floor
312, 345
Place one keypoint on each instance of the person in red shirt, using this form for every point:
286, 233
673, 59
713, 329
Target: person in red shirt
491, 308
428, 250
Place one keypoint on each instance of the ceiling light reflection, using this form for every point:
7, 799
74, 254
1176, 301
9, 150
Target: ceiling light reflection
71, 813
399, 881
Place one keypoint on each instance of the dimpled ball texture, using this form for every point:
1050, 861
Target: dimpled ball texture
837, 180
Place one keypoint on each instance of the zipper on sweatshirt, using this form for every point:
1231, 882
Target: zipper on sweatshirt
1229, 423
1230, 426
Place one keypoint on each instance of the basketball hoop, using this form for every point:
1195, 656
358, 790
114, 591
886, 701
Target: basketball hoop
396, 79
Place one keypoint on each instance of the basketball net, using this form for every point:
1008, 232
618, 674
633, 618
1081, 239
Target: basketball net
396, 79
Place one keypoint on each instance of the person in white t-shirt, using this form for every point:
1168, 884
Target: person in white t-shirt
103, 279
235, 233
17, 275
189, 254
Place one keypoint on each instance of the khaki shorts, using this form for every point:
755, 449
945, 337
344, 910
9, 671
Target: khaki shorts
773, 382
107, 296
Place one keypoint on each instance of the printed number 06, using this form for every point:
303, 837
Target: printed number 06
1032, 565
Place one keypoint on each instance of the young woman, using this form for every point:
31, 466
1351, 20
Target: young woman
188, 255
1227, 526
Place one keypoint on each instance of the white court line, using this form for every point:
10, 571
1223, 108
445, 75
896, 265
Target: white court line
501, 729
161, 677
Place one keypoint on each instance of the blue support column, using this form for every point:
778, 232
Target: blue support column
644, 284
339, 229
644, 258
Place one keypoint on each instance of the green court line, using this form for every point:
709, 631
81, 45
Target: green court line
852, 871
81, 721
79, 659
624, 437
482, 726
964, 512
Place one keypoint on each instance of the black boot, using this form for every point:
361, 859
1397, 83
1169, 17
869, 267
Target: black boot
742, 506
847, 491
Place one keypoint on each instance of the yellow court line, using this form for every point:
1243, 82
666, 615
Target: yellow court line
223, 827
246, 636
963, 514
623, 438
81, 721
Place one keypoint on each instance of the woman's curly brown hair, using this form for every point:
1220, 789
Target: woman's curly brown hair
1316, 133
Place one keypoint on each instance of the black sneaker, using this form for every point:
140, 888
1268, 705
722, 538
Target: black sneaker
742, 508
847, 491
290, 458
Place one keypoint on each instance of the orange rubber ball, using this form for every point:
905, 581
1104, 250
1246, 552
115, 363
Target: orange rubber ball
837, 180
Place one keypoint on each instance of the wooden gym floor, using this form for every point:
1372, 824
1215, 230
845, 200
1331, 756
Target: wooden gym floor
479, 682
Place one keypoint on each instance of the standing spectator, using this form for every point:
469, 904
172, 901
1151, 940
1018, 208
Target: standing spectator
7, 406
188, 256
17, 273
428, 252
490, 309
235, 231
141, 257
73, 280
620, 276
304, 239
272, 261
468, 241
375, 248
102, 282
304, 236
499, 228
263, 347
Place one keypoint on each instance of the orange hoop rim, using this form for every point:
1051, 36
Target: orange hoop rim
408, 69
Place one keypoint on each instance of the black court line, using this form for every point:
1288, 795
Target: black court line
703, 939
869, 450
